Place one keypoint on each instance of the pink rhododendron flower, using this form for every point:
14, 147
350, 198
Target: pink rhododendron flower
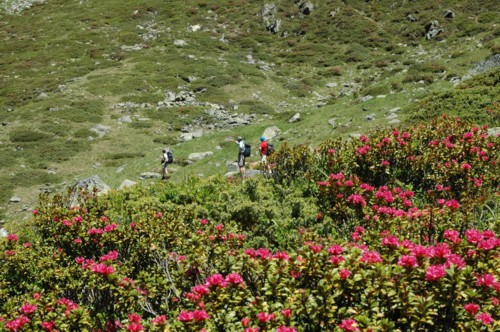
200, 315
216, 280
219, 227
488, 244
263, 253
473, 235
110, 227
356, 199
349, 325
392, 241
452, 204
371, 257
471, 308
285, 329
48, 326
102, 269
408, 261
335, 249
234, 278
287, 313
456, 260
495, 301
344, 273
18, 323
112, 255
135, 327
12, 237
159, 320
336, 259
452, 236
282, 256
486, 279
252, 329
245, 321
434, 272
316, 248
264, 316
35, 212
484, 318
28, 308
185, 316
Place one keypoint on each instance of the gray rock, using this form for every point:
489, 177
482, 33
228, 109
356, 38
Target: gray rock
391, 116
268, 13
411, 18
3, 233
271, 132
449, 14
149, 175
331, 85
432, 29
365, 98
14, 199
491, 62
90, 185
126, 183
295, 118
233, 167
100, 130
200, 155
125, 119
494, 131
185, 137
394, 121
394, 110
370, 117
180, 42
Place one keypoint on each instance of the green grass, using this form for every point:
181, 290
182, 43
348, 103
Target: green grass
66, 75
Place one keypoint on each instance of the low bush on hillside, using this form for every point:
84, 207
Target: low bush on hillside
396, 230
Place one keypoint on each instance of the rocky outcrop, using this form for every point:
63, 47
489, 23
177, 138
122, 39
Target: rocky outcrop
432, 29
89, 186
268, 14
491, 62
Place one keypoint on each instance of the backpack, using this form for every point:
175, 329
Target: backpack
248, 150
270, 149
170, 156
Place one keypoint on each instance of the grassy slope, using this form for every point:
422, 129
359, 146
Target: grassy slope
65, 67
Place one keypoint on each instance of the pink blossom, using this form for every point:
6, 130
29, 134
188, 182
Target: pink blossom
285, 329
435, 272
200, 315
487, 244
408, 261
456, 260
112, 255
466, 166
12, 237
316, 248
234, 278
486, 279
135, 327
452, 236
110, 227
452, 204
264, 317
349, 325
392, 241
281, 255
159, 320
471, 308
495, 301
252, 329
356, 199
245, 321
344, 273
216, 280
28, 308
185, 316
219, 227
48, 326
287, 313
102, 269
484, 318
204, 221
35, 211
371, 257
17, 323
201, 289
473, 235
264, 253
335, 249
336, 259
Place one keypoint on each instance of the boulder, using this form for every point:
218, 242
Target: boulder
449, 14
3, 233
14, 199
432, 29
295, 118
491, 62
126, 183
200, 155
93, 185
271, 132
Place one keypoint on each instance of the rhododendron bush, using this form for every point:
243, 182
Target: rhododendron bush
395, 231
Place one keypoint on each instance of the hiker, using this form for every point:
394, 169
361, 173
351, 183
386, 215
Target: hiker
165, 160
264, 152
241, 156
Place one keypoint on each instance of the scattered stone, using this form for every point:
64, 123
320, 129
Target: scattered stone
331, 85
180, 42
126, 183
432, 29
391, 116
120, 169
3, 233
93, 184
200, 155
232, 167
149, 175
125, 119
491, 62
370, 117
365, 98
449, 14
494, 131
14, 199
394, 121
268, 13
411, 18
394, 110
295, 118
100, 130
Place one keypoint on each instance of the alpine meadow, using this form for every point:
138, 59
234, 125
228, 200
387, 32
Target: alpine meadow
378, 209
